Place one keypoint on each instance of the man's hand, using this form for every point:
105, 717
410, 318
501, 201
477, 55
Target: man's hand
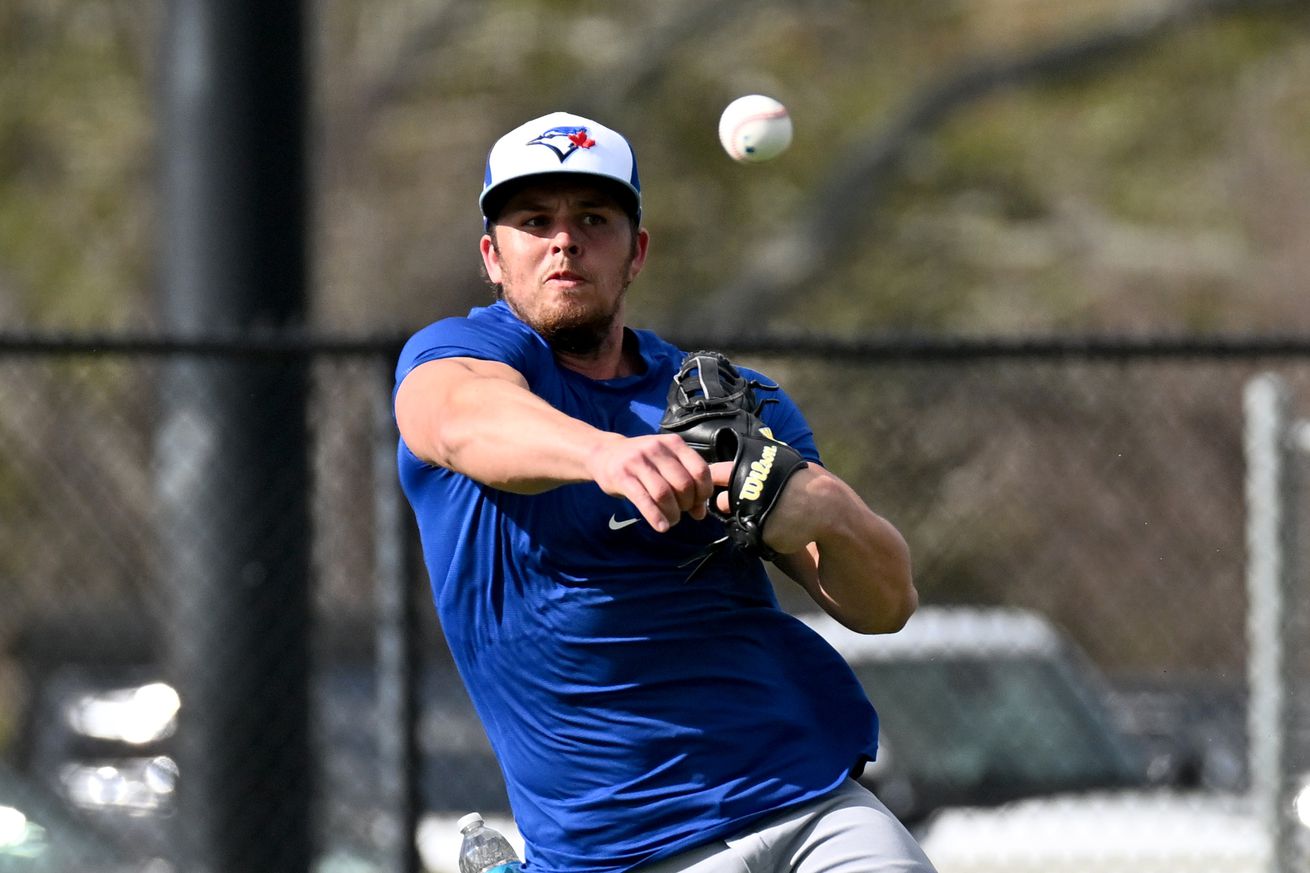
661, 475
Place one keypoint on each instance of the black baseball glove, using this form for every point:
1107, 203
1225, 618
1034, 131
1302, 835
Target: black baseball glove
707, 395
716, 410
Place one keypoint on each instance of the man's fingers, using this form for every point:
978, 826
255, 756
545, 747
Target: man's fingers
642, 489
652, 512
720, 479
662, 477
663, 494
676, 479
694, 484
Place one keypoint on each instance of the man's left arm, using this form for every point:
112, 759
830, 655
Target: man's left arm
853, 562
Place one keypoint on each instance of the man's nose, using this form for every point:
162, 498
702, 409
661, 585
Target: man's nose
565, 242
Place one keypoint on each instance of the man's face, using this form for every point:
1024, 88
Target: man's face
563, 253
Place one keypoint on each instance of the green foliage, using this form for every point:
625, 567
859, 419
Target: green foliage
74, 152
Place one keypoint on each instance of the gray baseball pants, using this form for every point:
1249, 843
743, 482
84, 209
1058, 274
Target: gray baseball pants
846, 831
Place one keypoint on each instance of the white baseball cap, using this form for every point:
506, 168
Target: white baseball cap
560, 143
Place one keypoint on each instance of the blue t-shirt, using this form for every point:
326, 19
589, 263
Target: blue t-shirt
634, 713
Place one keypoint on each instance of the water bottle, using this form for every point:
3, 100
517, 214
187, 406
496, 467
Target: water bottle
485, 849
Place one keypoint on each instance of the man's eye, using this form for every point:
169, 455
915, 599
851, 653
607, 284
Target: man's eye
593, 219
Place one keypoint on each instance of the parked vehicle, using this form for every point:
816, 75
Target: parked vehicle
100, 748
38, 834
982, 706
1001, 750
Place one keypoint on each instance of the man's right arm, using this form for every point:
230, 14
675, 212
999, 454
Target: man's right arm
479, 418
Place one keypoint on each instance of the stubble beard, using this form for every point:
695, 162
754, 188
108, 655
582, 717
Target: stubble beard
574, 328
578, 330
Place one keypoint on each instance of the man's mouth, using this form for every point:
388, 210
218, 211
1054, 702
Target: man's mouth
567, 277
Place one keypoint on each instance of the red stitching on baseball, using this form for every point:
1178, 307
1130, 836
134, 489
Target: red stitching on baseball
758, 116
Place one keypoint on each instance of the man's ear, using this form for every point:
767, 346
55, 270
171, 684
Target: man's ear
639, 256
490, 257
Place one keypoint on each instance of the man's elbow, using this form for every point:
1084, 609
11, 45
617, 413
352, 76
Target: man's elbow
906, 607
889, 616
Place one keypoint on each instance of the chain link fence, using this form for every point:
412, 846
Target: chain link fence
1102, 494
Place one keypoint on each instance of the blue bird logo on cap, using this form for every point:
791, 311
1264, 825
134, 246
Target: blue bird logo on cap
564, 141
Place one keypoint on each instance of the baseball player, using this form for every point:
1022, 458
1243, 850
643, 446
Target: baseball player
595, 507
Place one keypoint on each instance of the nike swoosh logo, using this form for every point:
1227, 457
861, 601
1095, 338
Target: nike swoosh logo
615, 524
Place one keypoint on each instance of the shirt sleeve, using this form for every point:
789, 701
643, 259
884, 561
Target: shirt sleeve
484, 335
784, 417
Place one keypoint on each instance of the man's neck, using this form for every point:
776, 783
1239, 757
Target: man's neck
617, 356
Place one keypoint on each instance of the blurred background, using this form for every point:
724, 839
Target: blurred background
1020, 267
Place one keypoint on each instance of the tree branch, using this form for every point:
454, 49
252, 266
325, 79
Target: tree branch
842, 208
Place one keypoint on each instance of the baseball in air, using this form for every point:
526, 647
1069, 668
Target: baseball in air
755, 128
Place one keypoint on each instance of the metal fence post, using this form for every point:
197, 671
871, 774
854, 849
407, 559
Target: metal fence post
233, 431
397, 646
1271, 539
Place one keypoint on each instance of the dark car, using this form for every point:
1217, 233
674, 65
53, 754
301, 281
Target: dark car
979, 706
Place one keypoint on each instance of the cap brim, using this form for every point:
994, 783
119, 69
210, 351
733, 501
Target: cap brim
493, 200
